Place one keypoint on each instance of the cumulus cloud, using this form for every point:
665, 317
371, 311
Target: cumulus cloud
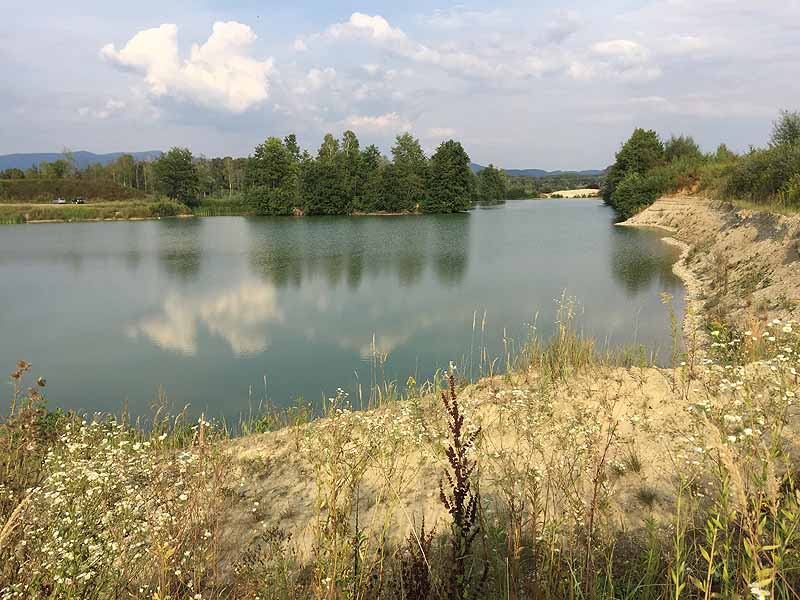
218, 74
110, 108
315, 80
441, 132
390, 121
367, 26
615, 60
377, 30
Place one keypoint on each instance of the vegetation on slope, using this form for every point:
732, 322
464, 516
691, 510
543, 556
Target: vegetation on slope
645, 168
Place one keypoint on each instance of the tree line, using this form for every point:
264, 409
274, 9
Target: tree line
647, 167
280, 178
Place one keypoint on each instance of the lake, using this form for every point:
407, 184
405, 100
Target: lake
221, 313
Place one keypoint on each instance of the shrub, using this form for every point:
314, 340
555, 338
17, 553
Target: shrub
762, 174
636, 192
166, 208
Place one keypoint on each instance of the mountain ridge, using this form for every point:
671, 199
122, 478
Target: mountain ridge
538, 172
83, 158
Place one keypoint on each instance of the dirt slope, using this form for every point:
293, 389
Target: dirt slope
742, 264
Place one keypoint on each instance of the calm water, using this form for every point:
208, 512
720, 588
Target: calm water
207, 308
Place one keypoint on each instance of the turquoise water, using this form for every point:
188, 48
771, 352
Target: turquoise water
221, 313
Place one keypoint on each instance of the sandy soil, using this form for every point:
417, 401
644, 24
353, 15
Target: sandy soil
741, 265
576, 193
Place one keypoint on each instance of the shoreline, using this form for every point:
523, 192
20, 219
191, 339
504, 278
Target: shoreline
691, 326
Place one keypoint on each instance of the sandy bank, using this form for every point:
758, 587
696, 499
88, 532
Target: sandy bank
740, 265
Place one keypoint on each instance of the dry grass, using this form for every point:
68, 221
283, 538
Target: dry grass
584, 481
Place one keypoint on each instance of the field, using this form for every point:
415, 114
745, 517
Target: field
120, 210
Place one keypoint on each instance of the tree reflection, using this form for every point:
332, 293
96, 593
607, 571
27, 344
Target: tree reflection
344, 250
451, 242
638, 261
180, 247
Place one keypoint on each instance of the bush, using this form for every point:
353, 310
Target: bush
636, 192
264, 200
166, 208
762, 175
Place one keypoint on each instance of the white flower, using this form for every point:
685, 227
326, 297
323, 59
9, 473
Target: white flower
758, 592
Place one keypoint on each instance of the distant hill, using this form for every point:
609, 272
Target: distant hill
538, 172
82, 158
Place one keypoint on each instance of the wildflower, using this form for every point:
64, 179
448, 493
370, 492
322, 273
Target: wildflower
758, 592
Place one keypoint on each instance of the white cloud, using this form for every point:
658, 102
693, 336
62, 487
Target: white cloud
315, 80
377, 30
372, 27
441, 132
391, 121
460, 17
110, 108
218, 74
615, 60
624, 51
684, 44
562, 25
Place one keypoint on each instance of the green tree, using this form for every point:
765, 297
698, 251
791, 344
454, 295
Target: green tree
370, 197
412, 171
176, 175
325, 185
682, 147
450, 184
58, 169
724, 154
351, 159
491, 185
639, 154
786, 129
290, 141
273, 175
12, 173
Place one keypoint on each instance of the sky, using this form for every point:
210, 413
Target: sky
522, 84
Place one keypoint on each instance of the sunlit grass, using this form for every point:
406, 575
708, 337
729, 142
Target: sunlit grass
557, 454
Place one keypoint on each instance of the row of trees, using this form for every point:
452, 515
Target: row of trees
646, 168
280, 178
342, 178
215, 175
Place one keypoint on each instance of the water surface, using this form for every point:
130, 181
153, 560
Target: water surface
205, 309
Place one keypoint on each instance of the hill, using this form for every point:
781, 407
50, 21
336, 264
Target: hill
538, 172
82, 158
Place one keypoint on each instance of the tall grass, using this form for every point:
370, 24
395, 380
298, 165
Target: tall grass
538, 499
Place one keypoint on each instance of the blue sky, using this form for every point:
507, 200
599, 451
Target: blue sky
523, 84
